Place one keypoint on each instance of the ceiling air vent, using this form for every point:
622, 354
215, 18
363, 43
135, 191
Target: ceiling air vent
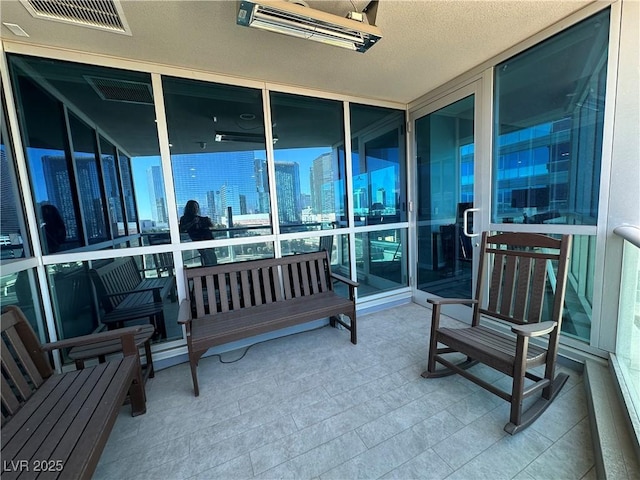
100, 14
121, 90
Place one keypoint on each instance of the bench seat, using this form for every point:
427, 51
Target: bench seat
210, 331
56, 425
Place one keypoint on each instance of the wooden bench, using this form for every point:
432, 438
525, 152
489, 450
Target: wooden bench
125, 294
58, 424
239, 300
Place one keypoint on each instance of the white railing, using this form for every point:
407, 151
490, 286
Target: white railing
626, 360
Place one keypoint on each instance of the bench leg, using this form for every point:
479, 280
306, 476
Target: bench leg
194, 358
147, 354
137, 396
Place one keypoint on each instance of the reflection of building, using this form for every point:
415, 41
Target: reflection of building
58, 187
360, 199
288, 181
322, 187
8, 214
381, 196
156, 194
244, 178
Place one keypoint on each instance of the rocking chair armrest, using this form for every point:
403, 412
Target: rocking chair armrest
452, 301
184, 312
534, 329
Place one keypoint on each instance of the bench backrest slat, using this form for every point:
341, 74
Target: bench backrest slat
24, 365
257, 282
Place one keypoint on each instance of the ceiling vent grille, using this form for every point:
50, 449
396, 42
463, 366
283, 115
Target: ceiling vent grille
126, 91
100, 14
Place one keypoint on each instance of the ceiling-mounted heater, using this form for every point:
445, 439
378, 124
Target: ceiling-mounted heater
304, 22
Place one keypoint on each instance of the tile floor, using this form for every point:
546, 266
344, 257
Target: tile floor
314, 406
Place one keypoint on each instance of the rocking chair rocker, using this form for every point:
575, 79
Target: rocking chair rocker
517, 265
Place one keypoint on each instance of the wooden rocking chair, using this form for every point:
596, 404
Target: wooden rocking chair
517, 266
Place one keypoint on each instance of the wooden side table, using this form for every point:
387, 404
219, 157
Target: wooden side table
101, 349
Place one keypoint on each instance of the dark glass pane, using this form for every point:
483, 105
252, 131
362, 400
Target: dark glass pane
14, 240
308, 146
112, 188
128, 193
219, 162
88, 179
378, 165
549, 114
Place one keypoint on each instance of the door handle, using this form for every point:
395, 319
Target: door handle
465, 222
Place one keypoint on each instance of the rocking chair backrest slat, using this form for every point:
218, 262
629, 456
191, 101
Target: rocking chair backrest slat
518, 278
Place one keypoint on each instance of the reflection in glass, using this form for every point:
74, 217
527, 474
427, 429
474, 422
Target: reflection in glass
90, 192
220, 160
21, 289
445, 185
14, 243
49, 170
112, 188
74, 304
381, 261
334, 244
231, 253
628, 337
88, 180
308, 136
549, 114
128, 193
378, 161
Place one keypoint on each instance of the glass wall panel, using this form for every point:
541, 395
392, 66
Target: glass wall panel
628, 337
112, 188
578, 301
308, 135
50, 171
230, 253
381, 261
88, 181
66, 106
445, 186
549, 113
14, 239
74, 303
379, 165
21, 289
218, 158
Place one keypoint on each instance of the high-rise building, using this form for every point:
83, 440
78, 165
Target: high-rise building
322, 185
157, 200
288, 192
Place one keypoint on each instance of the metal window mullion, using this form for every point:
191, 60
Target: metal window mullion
103, 186
73, 178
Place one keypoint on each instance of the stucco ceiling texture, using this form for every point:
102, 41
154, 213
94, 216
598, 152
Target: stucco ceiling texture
424, 45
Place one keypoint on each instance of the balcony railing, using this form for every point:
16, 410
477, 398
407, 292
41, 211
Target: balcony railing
626, 359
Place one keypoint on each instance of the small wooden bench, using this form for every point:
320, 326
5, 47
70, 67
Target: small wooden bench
125, 294
57, 425
239, 300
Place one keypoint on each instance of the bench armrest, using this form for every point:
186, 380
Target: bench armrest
534, 329
452, 301
343, 279
184, 312
93, 338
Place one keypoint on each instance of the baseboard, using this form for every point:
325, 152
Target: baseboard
613, 441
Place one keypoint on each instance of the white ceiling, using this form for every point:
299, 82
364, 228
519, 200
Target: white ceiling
425, 42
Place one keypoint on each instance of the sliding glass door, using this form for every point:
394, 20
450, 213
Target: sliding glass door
446, 200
